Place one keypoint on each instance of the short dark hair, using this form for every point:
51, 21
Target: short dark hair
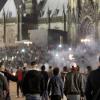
50, 67
89, 68
65, 68
33, 63
43, 67
56, 71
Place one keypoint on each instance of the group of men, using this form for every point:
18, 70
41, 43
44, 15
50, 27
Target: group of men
37, 85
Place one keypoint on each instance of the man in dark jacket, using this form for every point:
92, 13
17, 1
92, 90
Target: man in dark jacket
45, 79
93, 84
32, 83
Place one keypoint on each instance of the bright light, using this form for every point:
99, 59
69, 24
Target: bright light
17, 52
71, 57
57, 55
73, 64
70, 49
12, 58
14, 73
60, 46
85, 40
3, 59
6, 57
23, 50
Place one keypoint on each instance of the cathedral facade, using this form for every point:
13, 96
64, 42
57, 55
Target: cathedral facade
80, 18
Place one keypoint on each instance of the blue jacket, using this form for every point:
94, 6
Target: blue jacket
55, 86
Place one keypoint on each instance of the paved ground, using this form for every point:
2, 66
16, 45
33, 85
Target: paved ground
13, 92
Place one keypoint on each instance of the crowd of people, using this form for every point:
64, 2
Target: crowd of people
36, 83
17, 55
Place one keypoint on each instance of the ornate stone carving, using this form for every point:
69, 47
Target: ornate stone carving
87, 20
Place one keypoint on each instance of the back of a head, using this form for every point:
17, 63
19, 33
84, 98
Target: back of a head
56, 71
73, 68
24, 68
43, 67
33, 63
65, 68
50, 67
89, 68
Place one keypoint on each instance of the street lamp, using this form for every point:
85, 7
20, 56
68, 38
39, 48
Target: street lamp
23, 50
70, 49
85, 41
60, 46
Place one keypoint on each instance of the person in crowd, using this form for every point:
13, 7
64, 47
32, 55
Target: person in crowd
74, 86
24, 71
83, 76
19, 75
55, 86
50, 72
89, 69
9, 78
33, 83
45, 78
63, 73
4, 88
92, 90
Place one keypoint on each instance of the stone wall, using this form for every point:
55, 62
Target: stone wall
11, 34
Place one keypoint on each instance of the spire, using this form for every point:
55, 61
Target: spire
49, 19
64, 13
2, 3
19, 3
4, 28
79, 7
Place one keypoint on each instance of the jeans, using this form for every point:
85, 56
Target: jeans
44, 95
73, 97
33, 97
19, 86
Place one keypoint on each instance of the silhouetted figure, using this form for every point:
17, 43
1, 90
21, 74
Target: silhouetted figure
33, 83
45, 78
92, 90
55, 86
19, 75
